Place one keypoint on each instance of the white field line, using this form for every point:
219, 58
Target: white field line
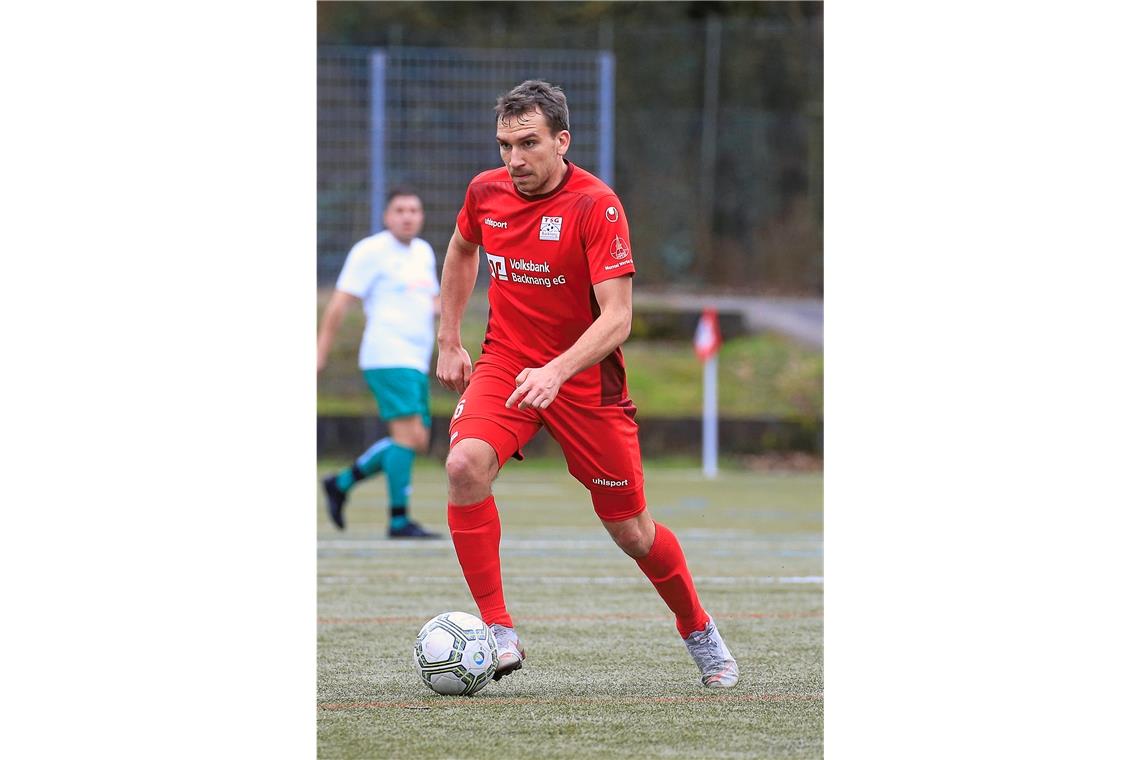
583, 580
528, 489
571, 544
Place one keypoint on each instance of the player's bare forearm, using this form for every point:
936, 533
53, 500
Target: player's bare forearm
460, 268
609, 331
330, 324
539, 386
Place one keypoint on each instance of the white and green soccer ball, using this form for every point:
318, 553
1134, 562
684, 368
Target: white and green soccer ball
456, 654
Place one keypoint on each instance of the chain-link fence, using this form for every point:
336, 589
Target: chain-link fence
423, 118
344, 135
717, 122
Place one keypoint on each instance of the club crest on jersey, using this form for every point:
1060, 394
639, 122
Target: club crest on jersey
619, 249
551, 228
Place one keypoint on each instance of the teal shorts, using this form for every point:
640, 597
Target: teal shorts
399, 392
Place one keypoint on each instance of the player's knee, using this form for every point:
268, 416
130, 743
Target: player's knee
411, 433
466, 469
633, 539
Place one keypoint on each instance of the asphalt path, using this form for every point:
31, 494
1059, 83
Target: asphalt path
798, 318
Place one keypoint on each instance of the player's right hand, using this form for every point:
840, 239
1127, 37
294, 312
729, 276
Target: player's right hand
453, 369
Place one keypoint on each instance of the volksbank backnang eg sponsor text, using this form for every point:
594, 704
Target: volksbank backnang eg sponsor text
499, 270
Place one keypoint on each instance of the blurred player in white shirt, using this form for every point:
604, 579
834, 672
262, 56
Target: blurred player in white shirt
393, 274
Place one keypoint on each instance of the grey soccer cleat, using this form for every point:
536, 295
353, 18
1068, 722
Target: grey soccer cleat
716, 663
511, 654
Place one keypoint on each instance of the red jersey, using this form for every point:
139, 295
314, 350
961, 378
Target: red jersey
545, 253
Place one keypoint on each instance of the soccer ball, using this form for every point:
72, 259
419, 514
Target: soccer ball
455, 653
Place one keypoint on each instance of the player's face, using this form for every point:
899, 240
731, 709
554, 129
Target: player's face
404, 217
532, 152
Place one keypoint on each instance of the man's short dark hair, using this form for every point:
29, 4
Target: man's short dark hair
535, 93
396, 192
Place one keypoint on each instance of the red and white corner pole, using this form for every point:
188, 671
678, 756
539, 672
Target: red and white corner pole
707, 343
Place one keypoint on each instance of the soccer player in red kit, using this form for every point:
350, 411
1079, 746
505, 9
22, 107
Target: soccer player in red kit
558, 249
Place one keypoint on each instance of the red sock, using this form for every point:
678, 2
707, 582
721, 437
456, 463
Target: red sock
475, 531
665, 567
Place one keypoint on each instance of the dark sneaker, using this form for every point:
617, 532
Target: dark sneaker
411, 530
335, 501
511, 653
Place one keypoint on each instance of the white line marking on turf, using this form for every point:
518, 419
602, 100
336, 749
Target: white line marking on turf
585, 580
570, 544
527, 489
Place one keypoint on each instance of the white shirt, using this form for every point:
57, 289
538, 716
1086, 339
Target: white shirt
397, 284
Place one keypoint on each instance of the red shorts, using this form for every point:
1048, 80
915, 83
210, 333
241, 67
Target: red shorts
599, 442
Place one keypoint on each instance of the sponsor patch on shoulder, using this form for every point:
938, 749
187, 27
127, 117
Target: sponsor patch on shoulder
619, 249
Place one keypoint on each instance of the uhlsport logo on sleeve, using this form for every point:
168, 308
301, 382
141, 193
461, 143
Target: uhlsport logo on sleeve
551, 228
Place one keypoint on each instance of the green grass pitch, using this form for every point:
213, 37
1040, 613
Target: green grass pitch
606, 675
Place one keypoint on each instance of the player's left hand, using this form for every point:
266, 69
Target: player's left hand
537, 388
